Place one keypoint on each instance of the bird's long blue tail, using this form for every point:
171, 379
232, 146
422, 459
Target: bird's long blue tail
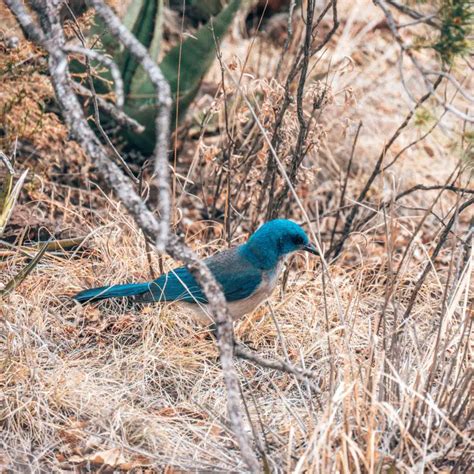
116, 291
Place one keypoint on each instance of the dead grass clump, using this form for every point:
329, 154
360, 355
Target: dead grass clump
142, 387
116, 386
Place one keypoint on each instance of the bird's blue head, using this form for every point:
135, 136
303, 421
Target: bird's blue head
275, 240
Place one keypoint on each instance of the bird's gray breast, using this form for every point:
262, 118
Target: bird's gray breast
263, 291
239, 308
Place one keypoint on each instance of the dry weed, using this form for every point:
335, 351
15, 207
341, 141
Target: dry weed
133, 388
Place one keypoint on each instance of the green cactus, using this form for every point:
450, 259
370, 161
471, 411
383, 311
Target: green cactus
191, 59
197, 55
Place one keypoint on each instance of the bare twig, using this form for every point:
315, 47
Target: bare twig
418, 187
413, 13
289, 37
428, 267
106, 61
423, 187
394, 28
118, 115
302, 375
51, 37
344, 187
376, 171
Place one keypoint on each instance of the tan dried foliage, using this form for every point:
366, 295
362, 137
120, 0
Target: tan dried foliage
116, 387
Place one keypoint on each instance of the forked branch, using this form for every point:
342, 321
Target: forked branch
49, 34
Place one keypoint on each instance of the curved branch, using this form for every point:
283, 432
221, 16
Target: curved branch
118, 115
52, 39
163, 104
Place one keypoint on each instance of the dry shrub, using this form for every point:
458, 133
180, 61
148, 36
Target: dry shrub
27, 123
126, 387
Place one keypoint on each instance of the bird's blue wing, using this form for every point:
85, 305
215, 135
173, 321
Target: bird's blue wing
236, 275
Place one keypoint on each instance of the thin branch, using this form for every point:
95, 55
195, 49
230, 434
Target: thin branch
418, 187
119, 93
422, 19
106, 61
413, 143
377, 169
302, 375
52, 39
453, 81
435, 253
394, 27
289, 37
118, 115
163, 104
344, 187
413, 13
423, 187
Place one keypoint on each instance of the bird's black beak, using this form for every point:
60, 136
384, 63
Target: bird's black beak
311, 249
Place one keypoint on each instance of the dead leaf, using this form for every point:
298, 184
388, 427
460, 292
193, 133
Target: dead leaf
109, 457
92, 314
113, 457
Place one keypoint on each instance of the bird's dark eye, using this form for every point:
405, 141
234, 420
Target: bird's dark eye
298, 240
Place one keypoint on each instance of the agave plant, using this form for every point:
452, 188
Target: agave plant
183, 66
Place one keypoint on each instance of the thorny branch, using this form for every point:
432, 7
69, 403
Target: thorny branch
50, 36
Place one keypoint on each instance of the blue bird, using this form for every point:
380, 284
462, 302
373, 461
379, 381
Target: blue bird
247, 274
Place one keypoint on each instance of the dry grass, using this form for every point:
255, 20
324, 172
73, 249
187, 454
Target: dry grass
115, 387
80, 380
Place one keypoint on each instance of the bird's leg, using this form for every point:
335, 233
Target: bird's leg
246, 343
212, 330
